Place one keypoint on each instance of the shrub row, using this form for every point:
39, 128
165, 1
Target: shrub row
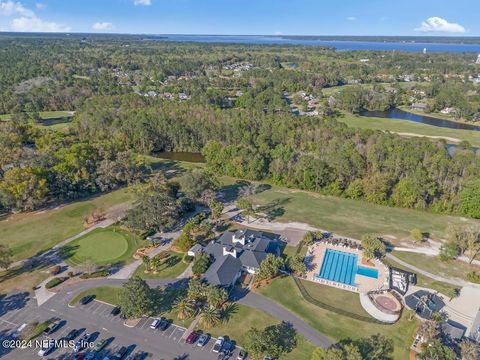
96, 274
54, 282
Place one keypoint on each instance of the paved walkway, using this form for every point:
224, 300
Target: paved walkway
53, 251
264, 304
128, 270
374, 312
187, 273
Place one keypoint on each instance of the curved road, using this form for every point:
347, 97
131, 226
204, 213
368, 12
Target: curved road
60, 302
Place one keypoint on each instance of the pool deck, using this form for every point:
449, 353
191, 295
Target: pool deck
314, 260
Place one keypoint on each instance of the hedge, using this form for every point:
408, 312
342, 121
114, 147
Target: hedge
54, 282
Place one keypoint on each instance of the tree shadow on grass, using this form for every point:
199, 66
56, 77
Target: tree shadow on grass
170, 168
37, 262
228, 312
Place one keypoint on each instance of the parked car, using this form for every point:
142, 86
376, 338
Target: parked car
80, 344
90, 356
154, 324
227, 347
192, 337
164, 323
218, 344
203, 340
86, 299
100, 345
139, 355
44, 351
242, 355
120, 354
115, 311
52, 327
71, 335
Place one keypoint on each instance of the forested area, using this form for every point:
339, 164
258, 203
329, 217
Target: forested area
134, 97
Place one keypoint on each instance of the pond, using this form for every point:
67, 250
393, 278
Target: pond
397, 114
181, 156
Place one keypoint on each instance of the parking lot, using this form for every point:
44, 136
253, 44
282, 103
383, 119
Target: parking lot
95, 318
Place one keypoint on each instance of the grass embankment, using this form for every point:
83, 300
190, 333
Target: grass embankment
171, 267
243, 318
405, 127
30, 233
433, 264
354, 218
337, 327
111, 245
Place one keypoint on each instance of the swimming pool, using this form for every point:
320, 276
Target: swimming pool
342, 267
368, 272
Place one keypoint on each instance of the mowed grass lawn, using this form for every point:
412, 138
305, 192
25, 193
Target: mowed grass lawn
242, 318
337, 327
45, 115
101, 246
405, 126
172, 267
354, 218
30, 233
433, 264
108, 294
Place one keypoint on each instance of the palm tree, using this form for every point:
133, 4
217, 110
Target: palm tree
196, 290
155, 263
209, 317
147, 263
184, 308
216, 297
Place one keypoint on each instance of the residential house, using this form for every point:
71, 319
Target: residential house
419, 106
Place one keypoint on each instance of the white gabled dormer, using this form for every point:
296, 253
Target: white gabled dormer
239, 237
229, 251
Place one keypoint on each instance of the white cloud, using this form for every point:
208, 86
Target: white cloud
437, 24
351, 18
25, 20
10, 8
142, 2
34, 24
40, 6
102, 26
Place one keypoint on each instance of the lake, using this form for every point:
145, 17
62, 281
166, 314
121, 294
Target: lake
340, 45
397, 114
181, 156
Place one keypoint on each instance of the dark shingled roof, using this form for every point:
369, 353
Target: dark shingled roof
250, 255
223, 271
453, 331
424, 303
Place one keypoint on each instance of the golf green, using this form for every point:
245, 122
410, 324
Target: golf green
100, 246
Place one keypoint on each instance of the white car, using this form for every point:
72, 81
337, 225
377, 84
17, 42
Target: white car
218, 344
44, 351
155, 324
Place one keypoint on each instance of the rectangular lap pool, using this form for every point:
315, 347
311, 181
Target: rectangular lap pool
342, 267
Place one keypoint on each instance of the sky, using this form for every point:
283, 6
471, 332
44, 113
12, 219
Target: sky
245, 17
